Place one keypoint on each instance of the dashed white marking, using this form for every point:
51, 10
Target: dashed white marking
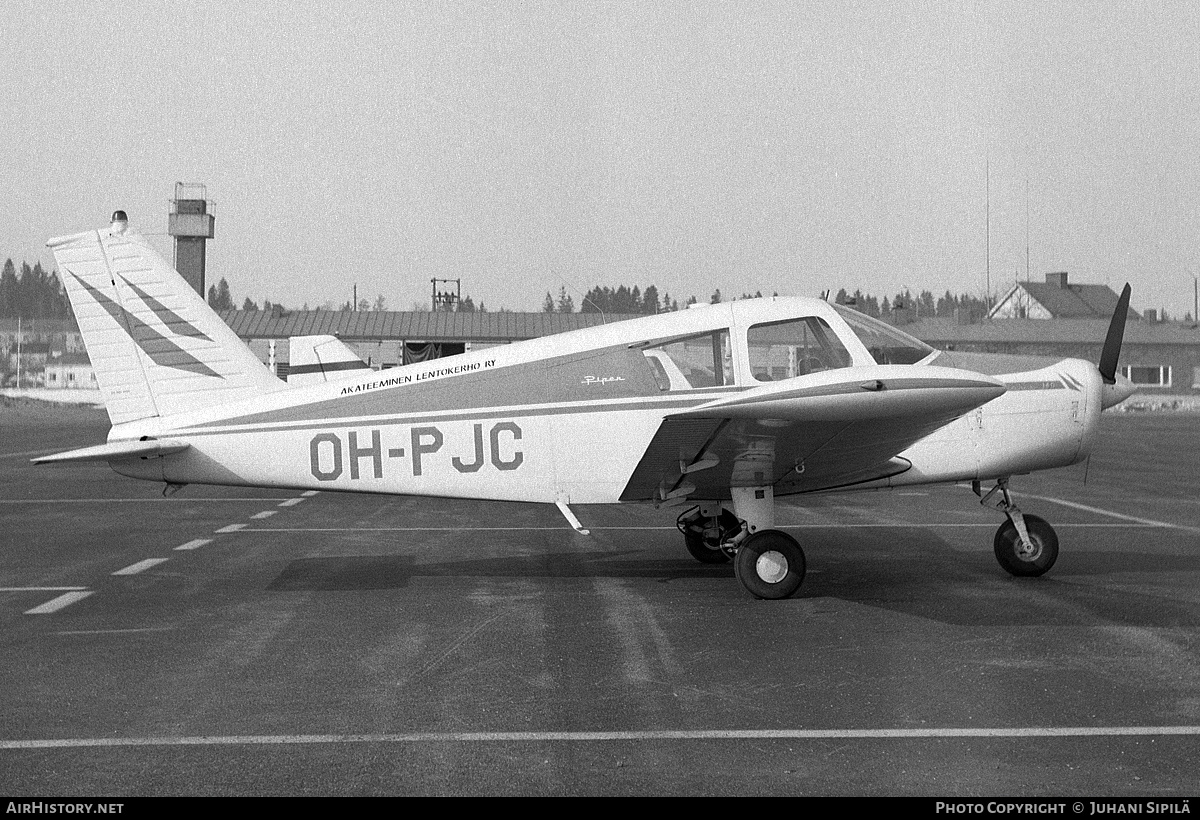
134, 569
55, 604
231, 528
114, 631
39, 589
195, 543
309, 493
291, 502
264, 514
559, 737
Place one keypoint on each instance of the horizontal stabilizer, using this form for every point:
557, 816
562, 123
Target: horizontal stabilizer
117, 450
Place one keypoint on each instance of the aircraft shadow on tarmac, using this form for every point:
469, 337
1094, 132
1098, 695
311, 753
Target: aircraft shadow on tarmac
968, 590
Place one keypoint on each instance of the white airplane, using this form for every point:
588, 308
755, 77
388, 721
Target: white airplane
717, 411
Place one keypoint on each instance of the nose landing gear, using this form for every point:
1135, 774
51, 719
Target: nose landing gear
1025, 545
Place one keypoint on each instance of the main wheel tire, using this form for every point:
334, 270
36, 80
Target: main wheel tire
705, 550
705, 536
1026, 564
770, 564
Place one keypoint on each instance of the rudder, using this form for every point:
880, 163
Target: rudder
155, 345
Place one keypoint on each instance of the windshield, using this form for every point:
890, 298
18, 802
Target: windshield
886, 344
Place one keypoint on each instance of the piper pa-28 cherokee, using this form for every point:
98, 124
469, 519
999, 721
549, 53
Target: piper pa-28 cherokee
716, 411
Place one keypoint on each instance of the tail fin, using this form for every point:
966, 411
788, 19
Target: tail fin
157, 348
316, 359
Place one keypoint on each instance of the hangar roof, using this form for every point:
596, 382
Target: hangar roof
426, 326
1057, 331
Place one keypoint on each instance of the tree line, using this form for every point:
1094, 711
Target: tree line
922, 305
33, 293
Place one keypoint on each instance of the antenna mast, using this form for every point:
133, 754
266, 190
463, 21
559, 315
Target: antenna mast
987, 301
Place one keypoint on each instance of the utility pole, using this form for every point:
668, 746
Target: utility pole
1027, 227
987, 298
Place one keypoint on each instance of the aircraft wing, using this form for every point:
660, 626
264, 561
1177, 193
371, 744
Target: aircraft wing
117, 450
825, 430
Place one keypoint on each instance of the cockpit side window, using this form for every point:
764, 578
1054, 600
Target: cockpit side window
695, 361
794, 347
886, 344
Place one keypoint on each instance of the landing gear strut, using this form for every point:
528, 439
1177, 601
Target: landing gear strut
709, 533
1025, 545
769, 563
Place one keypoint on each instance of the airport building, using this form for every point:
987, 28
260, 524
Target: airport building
1160, 357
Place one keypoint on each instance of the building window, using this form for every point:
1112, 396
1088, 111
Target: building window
1154, 376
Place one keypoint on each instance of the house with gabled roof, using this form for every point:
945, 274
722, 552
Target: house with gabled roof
1057, 298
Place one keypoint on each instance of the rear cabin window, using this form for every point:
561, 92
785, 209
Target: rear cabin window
695, 361
795, 347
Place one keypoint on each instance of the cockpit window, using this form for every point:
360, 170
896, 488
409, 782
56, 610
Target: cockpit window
697, 361
886, 344
795, 347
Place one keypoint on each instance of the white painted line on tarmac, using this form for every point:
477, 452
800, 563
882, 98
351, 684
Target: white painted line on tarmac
264, 514
291, 502
55, 604
134, 569
39, 589
231, 528
115, 631
172, 500
1150, 522
195, 543
309, 493
586, 737
829, 526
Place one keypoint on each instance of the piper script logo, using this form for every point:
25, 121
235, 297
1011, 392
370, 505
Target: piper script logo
161, 350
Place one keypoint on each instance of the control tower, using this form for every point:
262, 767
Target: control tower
190, 221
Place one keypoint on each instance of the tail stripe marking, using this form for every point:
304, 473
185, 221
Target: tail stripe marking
173, 321
161, 350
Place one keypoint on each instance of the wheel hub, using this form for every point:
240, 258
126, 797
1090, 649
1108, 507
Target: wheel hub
771, 567
1030, 551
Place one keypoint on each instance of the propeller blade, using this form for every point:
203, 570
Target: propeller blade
1112, 342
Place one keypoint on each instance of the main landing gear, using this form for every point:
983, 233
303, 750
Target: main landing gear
768, 562
1025, 545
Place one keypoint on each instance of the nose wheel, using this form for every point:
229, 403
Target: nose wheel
1029, 559
1025, 545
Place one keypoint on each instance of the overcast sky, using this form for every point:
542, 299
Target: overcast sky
523, 146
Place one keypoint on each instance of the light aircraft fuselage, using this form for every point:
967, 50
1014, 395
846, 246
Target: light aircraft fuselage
714, 410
